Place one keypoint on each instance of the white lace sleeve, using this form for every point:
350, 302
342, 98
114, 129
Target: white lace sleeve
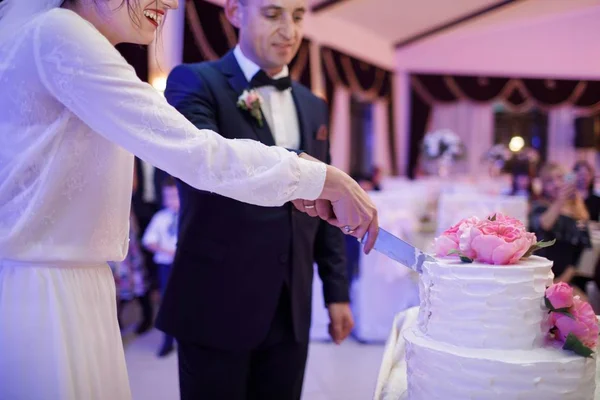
88, 75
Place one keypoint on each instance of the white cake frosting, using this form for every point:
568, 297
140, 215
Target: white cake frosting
445, 372
485, 306
480, 336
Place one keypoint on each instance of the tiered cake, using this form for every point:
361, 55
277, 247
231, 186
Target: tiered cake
482, 333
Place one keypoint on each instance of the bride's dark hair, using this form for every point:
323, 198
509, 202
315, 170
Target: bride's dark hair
130, 4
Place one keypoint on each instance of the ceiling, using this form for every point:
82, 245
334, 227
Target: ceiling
407, 21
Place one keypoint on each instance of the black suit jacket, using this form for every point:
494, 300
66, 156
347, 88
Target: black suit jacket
233, 258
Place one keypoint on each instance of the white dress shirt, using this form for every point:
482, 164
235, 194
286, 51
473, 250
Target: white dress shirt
278, 106
72, 112
160, 232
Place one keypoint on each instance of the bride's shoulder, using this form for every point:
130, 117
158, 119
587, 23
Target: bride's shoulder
63, 21
58, 13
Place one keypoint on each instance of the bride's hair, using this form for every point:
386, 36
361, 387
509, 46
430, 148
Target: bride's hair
131, 5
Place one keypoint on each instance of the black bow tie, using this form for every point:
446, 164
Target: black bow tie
262, 79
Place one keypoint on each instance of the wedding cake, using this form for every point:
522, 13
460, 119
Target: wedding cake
492, 325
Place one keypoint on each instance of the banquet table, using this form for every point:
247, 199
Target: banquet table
392, 380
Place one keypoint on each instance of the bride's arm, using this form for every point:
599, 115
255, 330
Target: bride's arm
81, 69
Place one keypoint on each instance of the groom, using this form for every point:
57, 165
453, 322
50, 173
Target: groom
239, 297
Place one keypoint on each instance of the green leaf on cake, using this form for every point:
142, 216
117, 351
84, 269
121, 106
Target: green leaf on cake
564, 311
537, 246
462, 257
542, 244
574, 344
549, 305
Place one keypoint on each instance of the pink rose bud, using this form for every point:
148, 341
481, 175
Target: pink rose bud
443, 245
560, 295
450, 238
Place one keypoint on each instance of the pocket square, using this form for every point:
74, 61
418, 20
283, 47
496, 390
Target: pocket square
322, 133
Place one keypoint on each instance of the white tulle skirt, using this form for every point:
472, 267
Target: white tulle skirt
59, 335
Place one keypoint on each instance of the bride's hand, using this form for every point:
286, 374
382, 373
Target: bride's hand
353, 211
345, 204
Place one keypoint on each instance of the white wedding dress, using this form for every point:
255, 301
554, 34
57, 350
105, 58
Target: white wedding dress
71, 113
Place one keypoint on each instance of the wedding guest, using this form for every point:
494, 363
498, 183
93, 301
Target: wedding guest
560, 214
161, 238
376, 178
131, 278
73, 112
522, 181
585, 186
146, 201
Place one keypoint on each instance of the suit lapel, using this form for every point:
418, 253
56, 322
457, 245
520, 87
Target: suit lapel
303, 123
237, 81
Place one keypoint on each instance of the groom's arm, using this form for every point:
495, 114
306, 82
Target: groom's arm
187, 91
330, 256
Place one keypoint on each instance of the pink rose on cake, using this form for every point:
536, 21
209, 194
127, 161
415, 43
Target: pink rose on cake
581, 326
499, 240
572, 321
449, 240
583, 323
499, 217
496, 242
560, 295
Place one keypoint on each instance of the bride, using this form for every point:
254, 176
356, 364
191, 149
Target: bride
72, 112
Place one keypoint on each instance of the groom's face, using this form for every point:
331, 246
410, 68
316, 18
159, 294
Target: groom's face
271, 31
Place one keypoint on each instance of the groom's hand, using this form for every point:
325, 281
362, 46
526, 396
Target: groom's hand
341, 323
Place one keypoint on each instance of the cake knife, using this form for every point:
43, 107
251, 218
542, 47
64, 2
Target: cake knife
400, 251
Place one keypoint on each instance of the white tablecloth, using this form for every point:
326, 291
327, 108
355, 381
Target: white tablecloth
383, 287
392, 381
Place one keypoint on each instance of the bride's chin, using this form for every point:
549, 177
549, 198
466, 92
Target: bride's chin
145, 39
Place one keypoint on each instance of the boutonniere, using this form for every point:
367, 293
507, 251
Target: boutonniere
251, 101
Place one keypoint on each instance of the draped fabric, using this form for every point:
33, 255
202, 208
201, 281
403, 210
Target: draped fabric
366, 83
519, 95
561, 136
340, 128
474, 124
208, 35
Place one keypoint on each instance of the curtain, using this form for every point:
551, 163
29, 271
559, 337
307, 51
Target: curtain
561, 136
381, 144
367, 83
429, 91
474, 124
340, 129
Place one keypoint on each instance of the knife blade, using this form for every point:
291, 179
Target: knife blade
400, 251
